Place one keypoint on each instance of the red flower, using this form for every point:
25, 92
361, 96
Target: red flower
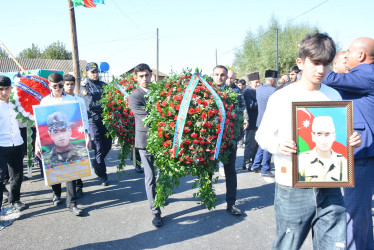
203, 116
198, 101
186, 142
193, 135
172, 124
119, 101
109, 105
197, 110
169, 113
205, 103
172, 104
202, 131
189, 123
196, 141
159, 134
191, 111
162, 92
186, 130
210, 113
177, 107
194, 96
163, 103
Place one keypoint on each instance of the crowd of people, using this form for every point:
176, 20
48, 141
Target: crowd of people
337, 221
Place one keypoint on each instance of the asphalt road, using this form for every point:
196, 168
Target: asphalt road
118, 216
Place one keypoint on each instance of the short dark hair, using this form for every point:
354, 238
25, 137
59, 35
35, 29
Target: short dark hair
142, 67
242, 81
69, 78
55, 77
221, 67
294, 68
319, 47
5, 81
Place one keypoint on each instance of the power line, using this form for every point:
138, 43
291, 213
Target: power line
125, 15
286, 23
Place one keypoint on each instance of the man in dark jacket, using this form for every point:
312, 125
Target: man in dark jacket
137, 103
250, 118
358, 85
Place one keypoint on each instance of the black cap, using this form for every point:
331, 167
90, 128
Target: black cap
271, 73
91, 66
5, 81
254, 76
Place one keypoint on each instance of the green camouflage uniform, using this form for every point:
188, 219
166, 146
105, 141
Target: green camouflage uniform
75, 153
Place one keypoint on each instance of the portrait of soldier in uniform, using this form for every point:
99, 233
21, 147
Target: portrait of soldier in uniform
322, 164
62, 151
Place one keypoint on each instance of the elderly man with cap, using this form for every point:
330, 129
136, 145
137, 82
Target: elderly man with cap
263, 157
91, 91
250, 118
56, 84
11, 156
322, 163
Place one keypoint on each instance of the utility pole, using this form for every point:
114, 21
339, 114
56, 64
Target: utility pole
216, 58
74, 47
157, 55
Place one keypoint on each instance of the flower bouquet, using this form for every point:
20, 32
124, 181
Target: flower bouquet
191, 129
117, 115
29, 91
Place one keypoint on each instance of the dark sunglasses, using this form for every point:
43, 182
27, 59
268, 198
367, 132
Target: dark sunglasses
60, 86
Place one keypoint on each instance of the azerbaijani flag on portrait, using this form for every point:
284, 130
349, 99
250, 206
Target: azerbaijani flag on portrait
87, 3
305, 118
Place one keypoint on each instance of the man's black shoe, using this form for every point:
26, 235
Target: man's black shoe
244, 167
104, 181
138, 169
157, 222
79, 193
234, 210
256, 170
56, 200
19, 206
270, 174
75, 210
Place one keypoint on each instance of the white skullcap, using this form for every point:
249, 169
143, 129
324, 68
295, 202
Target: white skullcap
323, 123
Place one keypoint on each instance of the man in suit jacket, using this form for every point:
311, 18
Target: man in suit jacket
250, 118
137, 103
263, 157
358, 85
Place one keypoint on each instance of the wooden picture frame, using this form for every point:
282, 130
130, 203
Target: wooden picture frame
321, 131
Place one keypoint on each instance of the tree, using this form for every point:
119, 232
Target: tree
258, 52
56, 50
33, 52
3, 53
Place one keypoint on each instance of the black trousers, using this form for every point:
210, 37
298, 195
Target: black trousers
101, 145
70, 192
150, 179
231, 179
12, 157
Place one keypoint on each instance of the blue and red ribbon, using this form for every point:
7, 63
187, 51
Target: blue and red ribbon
181, 119
121, 89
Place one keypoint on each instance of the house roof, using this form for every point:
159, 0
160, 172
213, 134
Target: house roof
8, 65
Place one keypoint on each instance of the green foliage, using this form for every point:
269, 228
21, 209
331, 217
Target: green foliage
33, 52
3, 53
259, 50
118, 118
56, 50
199, 139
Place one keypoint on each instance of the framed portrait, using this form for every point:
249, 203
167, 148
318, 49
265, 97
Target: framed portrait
63, 142
321, 131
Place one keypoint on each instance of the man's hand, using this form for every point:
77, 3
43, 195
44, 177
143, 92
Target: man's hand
38, 151
355, 140
88, 141
287, 148
245, 124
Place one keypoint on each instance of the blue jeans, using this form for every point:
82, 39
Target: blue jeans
297, 210
358, 201
263, 158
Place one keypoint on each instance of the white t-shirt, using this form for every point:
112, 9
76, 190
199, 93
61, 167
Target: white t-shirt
276, 125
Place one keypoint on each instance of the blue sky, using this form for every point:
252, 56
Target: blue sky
123, 32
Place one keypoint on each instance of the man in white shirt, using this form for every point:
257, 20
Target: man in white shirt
57, 95
297, 210
69, 86
10, 146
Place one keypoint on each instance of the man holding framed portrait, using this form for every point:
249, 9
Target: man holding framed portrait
298, 210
